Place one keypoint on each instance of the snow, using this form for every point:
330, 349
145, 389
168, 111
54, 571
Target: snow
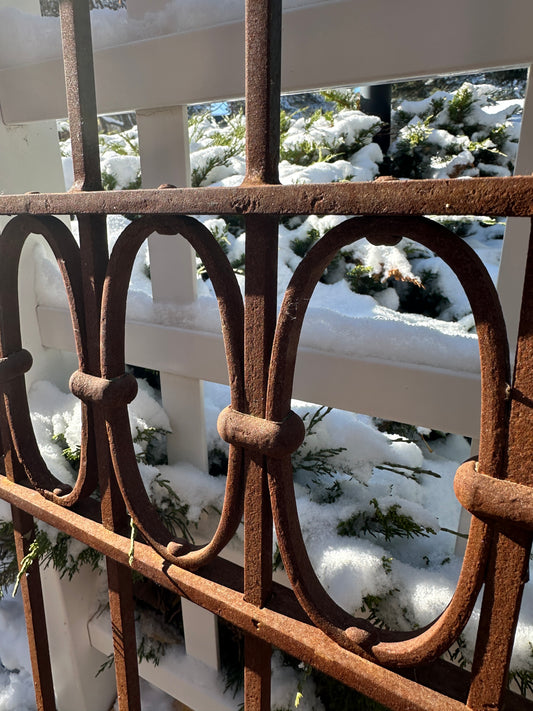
285, 682
196, 488
124, 171
337, 320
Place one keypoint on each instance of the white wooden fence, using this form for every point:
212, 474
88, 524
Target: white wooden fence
348, 42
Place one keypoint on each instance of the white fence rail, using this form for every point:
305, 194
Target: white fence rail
359, 43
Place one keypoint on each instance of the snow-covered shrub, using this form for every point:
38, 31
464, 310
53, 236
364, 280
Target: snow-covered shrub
455, 134
217, 152
448, 134
460, 133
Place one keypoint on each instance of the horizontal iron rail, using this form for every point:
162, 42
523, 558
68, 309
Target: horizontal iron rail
512, 196
281, 623
219, 590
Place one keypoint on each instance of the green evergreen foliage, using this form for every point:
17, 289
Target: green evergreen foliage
71, 454
307, 152
407, 432
221, 234
412, 153
133, 536
152, 441
151, 650
172, 511
342, 98
452, 135
109, 182
388, 524
414, 473
231, 645
301, 245
217, 462
155, 631
318, 465
522, 679
8, 558
460, 106
362, 280
229, 140
44, 550
306, 140
456, 654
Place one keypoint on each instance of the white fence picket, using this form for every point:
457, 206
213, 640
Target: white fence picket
164, 151
329, 44
517, 231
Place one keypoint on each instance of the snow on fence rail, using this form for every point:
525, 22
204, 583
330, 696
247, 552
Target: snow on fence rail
132, 76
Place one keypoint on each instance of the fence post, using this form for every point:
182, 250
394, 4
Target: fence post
376, 100
31, 162
78, 683
517, 231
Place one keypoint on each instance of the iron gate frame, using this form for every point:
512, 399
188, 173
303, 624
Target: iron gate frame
259, 425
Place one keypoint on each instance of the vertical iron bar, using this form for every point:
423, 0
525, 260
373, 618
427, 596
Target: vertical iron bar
32, 596
81, 93
121, 608
263, 76
30, 583
81, 102
508, 569
259, 324
257, 656
263, 81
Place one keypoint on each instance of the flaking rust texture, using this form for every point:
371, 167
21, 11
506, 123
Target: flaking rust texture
512, 196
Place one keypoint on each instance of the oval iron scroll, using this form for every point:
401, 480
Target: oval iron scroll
66, 252
393, 649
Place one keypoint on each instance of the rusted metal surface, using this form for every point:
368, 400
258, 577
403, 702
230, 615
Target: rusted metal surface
93, 255
24, 533
475, 196
263, 77
496, 499
262, 431
508, 568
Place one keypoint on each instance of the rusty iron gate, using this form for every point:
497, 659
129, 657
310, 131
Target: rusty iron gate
400, 670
